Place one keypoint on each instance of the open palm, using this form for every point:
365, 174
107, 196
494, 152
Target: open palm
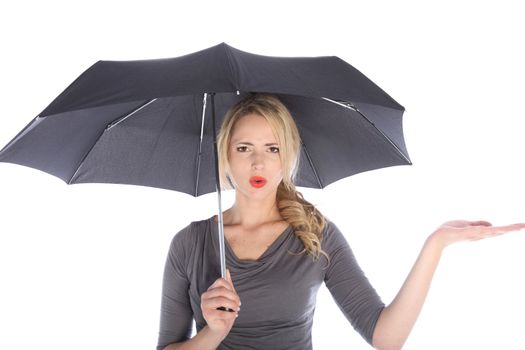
463, 230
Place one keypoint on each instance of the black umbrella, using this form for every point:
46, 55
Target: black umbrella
147, 123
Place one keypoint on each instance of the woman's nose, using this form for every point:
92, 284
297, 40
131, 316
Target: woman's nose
257, 160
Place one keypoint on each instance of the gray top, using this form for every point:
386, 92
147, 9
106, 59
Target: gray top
278, 291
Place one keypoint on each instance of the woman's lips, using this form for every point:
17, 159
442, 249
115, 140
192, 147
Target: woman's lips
257, 181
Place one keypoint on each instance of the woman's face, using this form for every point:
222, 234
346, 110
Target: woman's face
253, 155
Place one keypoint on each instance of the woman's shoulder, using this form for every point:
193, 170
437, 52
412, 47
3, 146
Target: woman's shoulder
332, 235
329, 227
190, 233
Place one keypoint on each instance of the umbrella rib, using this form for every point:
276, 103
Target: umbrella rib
312, 165
351, 106
108, 127
120, 120
24, 131
200, 145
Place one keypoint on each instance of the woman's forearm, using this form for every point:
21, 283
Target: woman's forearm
398, 318
203, 340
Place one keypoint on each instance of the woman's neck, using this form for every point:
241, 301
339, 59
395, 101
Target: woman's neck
251, 213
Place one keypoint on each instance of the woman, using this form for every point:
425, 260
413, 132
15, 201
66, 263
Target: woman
279, 250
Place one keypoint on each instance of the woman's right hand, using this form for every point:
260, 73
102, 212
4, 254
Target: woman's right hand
220, 293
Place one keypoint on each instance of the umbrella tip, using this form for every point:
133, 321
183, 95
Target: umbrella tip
226, 45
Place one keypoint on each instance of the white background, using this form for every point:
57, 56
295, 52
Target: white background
81, 266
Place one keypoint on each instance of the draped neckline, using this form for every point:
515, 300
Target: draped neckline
230, 254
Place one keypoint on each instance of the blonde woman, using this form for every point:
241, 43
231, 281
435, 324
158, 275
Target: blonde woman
279, 250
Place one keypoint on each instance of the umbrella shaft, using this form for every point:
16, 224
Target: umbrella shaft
218, 187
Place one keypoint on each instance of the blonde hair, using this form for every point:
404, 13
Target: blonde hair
308, 222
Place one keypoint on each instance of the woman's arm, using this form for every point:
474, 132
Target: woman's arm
204, 340
398, 318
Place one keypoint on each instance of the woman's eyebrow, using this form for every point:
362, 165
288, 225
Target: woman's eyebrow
251, 144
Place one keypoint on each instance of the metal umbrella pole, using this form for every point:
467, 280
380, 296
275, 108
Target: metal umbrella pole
218, 187
217, 179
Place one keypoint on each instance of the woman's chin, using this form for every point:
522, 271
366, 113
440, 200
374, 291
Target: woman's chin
258, 192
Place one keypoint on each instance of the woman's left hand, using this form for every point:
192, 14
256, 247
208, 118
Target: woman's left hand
462, 230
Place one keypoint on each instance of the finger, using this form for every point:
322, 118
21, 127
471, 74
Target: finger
222, 292
220, 282
226, 314
229, 278
216, 302
221, 315
476, 236
227, 309
480, 223
508, 228
480, 232
213, 285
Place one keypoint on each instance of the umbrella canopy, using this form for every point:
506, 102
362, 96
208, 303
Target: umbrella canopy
144, 122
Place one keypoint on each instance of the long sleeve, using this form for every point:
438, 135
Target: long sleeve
176, 316
349, 286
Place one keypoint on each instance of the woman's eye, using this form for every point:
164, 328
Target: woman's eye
245, 148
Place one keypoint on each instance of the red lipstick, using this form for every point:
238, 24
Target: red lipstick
257, 181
